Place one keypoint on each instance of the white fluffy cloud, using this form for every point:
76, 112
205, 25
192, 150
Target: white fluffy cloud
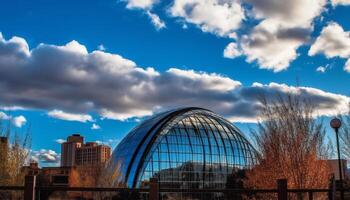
284, 27
340, 2
332, 42
273, 48
215, 16
232, 51
68, 80
19, 121
288, 13
59, 114
46, 157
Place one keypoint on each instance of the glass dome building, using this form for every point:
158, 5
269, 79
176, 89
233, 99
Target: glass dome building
183, 148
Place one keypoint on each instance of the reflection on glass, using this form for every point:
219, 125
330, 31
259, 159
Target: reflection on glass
189, 148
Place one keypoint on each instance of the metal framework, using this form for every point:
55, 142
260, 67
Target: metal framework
184, 148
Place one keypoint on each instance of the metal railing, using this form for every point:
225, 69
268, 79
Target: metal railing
32, 192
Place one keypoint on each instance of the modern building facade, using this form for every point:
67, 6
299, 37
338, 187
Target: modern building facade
75, 152
183, 148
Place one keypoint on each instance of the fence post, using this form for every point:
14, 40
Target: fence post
311, 195
29, 187
154, 189
282, 189
332, 189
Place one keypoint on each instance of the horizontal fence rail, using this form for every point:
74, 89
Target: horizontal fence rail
89, 189
11, 187
32, 192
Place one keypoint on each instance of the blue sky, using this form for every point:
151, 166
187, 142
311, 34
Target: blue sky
180, 52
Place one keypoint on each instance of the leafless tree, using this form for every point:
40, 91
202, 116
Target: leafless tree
345, 135
14, 152
291, 143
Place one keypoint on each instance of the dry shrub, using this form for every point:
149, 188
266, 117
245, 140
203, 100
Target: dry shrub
292, 146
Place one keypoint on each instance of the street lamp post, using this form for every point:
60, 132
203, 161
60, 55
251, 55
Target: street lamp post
336, 124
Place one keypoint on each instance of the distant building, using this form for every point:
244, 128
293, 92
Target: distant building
334, 167
55, 176
80, 164
92, 153
48, 176
75, 153
69, 149
32, 169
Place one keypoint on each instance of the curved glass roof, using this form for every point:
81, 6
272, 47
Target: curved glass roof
185, 148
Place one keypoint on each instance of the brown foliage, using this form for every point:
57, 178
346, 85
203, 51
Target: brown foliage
291, 145
95, 176
13, 155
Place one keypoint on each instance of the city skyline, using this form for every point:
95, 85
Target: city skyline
98, 68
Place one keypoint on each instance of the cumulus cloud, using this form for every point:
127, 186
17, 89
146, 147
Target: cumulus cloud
291, 13
232, 51
59, 114
46, 157
340, 2
19, 121
273, 48
284, 27
273, 43
215, 16
95, 127
67, 80
332, 42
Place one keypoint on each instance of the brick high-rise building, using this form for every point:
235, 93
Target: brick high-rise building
69, 148
92, 153
75, 153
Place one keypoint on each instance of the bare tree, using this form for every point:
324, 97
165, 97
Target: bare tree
15, 150
345, 135
291, 145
